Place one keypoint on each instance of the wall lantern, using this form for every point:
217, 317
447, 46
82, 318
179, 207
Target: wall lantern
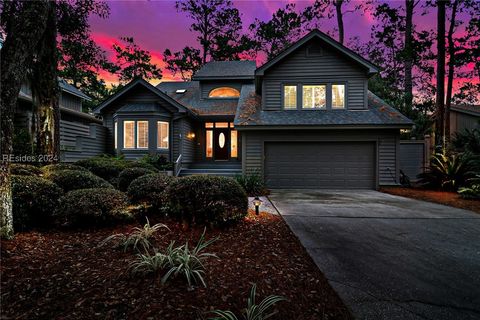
190, 135
257, 202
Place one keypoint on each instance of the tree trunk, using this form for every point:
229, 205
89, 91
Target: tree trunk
451, 70
23, 33
440, 98
338, 8
409, 5
45, 92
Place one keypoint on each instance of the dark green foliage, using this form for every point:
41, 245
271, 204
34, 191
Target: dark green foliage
24, 169
130, 174
472, 192
108, 168
139, 164
449, 171
34, 201
467, 140
92, 207
59, 167
207, 200
22, 142
252, 183
149, 189
76, 179
159, 161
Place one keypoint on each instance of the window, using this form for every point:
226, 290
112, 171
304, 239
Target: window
162, 135
221, 124
338, 96
115, 133
233, 144
209, 144
142, 134
208, 124
290, 97
129, 134
314, 97
224, 92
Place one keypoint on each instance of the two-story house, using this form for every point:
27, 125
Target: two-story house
304, 119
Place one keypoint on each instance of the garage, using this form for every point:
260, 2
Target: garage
320, 165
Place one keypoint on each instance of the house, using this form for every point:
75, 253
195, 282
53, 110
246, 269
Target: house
304, 119
464, 117
81, 134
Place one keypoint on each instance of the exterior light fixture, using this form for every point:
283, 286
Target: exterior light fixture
191, 135
257, 202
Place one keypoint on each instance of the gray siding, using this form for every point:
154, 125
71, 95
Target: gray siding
207, 86
327, 68
79, 141
461, 121
70, 101
412, 158
387, 142
181, 144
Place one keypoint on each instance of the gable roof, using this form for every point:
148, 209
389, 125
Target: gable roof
133, 83
65, 86
317, 34
237, 70
470, 109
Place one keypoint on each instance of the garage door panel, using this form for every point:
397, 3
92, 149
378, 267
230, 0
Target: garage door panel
320, 165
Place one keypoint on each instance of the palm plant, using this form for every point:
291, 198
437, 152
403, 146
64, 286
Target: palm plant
253, 311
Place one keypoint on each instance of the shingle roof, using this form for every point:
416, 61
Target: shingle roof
191, 99
244, 69
71, 89
140, 107
378, 114
467, 108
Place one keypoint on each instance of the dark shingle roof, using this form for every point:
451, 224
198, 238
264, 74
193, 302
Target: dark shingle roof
244, 69
378, 114
71, 89
467, 108
191, 99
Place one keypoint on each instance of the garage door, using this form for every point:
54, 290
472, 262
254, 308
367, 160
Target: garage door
332, 165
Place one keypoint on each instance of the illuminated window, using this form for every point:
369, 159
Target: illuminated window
338, 96
314, 97
162, 135
290, 97
224, 92
233, 144
142, 134
115, 132
209, 125
231, 125
221, 124
129, 134
209, 144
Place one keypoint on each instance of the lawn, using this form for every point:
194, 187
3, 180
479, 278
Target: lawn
60, 274
442, 197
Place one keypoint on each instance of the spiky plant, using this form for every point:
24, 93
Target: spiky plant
148, 263
253, 311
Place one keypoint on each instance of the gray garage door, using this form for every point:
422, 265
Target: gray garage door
332, 165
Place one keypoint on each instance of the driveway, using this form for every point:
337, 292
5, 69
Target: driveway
390, 257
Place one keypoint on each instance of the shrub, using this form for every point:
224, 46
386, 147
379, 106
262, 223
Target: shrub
108, 168
34, 200
74, 179
24, 170
59, 167
149, 189
159, 161
449, 171
91, 207
472, 192
467, 140
207, 200
252, 183
130, 174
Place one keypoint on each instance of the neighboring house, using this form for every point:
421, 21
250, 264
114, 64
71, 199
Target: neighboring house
81, 134
304, 119
464, 117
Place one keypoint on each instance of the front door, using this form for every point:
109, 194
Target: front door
220, 142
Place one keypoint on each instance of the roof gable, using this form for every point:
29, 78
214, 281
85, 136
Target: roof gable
334, 45
237, 70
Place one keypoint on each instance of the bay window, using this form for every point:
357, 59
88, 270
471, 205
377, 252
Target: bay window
129, 134
162, 135
115, 133
142, 134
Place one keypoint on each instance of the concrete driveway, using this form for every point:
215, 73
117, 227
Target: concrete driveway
390, 257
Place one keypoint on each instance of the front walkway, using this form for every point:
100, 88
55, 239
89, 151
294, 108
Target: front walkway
390, 257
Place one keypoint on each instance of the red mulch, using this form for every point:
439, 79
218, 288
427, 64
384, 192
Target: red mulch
63, 274
443, 197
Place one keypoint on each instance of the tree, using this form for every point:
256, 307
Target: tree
408, 53
23, 24
134, 62
440, 96
185, 62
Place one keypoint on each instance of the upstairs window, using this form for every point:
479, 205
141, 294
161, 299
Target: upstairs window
314, 96
224, 92
290, 97
338, 96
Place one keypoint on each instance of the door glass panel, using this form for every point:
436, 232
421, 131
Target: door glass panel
221, 140
221, 124
209, 143
208, 124
233, 144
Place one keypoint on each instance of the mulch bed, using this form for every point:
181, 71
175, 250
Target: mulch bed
65, 275
442, 197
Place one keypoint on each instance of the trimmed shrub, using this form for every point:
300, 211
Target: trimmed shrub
92, 207
207, 200
60, 166
149, 189
130, 174
108, 168
34, 201
252, 184
24, 170
159, 161
139, 164
74, 179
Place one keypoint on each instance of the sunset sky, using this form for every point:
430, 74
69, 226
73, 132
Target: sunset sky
156, 25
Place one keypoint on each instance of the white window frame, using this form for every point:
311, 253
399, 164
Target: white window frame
125, 122
160, 137
285, 100
344, 96
115, 134
137, 127
315, 85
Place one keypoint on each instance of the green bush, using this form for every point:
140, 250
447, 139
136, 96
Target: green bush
472, 192
24, 169
207, 200
108, 168
60, 166
74, 179
130, 174
252, 183
92, 207
149, 189
34, 201
159, 161
467, 140
139, 164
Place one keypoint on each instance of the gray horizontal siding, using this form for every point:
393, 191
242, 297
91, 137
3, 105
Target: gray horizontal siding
327, 68
79, 141
70, 101
386, 140
412, 158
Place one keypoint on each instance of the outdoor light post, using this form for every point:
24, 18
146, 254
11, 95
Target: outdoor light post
257, 202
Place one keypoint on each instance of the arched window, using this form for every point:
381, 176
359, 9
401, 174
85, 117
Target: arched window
224, 92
